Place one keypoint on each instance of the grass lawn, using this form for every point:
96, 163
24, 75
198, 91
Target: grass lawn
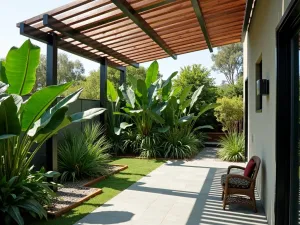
137, 168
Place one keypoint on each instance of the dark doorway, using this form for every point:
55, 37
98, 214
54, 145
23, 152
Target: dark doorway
287, 121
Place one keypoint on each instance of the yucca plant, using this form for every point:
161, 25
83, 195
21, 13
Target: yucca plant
83, 154
232, 147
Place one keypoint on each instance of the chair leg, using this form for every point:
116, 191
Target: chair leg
254, 205
224, 200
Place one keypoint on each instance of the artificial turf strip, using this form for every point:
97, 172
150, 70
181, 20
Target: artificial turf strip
137, 168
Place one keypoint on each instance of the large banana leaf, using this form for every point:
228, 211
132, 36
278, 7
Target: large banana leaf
152, 74
141, 91
86, 115
195, 96
45, 118
128, 95
112, 94
59, 120
20, 68
39, 102
9, 121
185, 92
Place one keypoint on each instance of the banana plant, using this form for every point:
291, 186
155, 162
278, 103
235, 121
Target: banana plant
178, 110
26, 125
145, 101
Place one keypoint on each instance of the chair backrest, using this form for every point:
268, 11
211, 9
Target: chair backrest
257, 165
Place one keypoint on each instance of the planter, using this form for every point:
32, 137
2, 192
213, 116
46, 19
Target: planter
86, 185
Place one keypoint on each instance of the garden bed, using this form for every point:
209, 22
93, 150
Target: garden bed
72, 194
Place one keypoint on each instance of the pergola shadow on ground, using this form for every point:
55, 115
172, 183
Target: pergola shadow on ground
178, 193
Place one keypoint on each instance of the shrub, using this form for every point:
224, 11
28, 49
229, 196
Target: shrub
83, 154
232, 147
229, 112
178, 144
29, 195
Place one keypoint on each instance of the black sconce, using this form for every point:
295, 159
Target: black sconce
262, 87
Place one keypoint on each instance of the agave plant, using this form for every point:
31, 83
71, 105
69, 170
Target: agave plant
26, 125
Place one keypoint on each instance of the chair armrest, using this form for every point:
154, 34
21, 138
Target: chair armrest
236, 176
234, 167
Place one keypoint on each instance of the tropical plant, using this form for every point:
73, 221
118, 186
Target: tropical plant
229, 112
26, 125
25, 195
83, 154
154, 106
197, 75
232, 147
113, 120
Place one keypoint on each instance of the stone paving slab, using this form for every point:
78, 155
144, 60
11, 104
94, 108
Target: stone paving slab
177, 193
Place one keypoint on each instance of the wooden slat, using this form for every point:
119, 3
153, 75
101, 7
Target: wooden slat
138, 20
68, 31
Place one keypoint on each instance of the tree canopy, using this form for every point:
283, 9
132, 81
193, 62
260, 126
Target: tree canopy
229, 61
67, 70
232, 90
91, 83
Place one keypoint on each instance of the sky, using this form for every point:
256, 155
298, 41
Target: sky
15, 11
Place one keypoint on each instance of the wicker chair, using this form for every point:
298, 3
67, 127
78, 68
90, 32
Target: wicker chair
240, 185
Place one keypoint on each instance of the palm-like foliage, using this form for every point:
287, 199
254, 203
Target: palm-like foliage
26, 125
83, 154
153, 107
232, 147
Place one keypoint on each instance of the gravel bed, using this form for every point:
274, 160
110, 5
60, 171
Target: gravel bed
73, 192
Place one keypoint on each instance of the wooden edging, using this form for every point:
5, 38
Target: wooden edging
163, 159
96, 192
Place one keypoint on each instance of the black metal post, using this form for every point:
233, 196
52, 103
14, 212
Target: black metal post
51, 79
123, 76
103, 86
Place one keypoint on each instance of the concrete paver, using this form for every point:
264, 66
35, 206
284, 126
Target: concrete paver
177, 193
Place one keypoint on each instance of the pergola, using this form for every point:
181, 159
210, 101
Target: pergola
118, 33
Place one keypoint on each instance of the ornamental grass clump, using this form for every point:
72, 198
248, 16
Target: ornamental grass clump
83, 154
232, 147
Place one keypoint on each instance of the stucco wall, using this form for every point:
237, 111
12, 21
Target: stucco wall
260, 41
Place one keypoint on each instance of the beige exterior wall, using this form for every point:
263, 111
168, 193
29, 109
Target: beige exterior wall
260, 41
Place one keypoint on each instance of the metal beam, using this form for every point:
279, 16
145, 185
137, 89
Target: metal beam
103, 87
198, 12
122, 76
51, 79
249, 7
127, 9
41, 36
102, 22
70, 32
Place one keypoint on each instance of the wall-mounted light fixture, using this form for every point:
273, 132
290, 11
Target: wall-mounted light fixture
262, 87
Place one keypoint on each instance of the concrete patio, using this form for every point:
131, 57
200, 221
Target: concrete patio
177, 193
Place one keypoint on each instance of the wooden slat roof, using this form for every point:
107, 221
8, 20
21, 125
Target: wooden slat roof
129, 32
